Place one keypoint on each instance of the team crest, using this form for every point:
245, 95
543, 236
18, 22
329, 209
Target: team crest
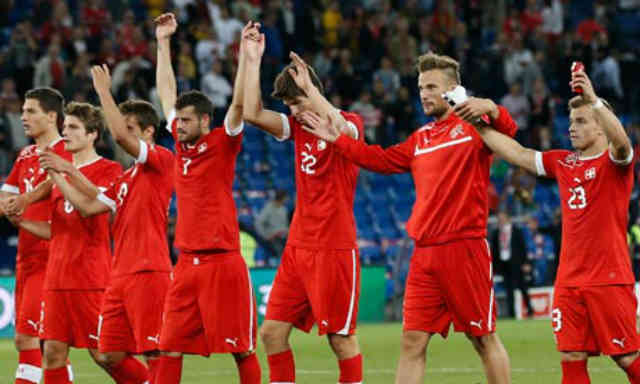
590, 173
202, 147
457, 131
322, 145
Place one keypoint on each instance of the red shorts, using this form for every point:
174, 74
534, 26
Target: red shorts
131, 315
210, 306
71, 316
447, 283
317, 286
28, 301
595, 319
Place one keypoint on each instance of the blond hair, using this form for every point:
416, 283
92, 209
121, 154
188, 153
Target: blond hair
446, 64
579, 101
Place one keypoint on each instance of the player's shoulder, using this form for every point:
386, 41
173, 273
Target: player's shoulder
27, 152
104, 163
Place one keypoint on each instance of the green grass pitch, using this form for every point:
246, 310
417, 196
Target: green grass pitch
529, 343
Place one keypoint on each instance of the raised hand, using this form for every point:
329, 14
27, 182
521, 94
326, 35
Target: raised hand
101, 78
254, 43
301, 73
580, 79
166, 25
251, 31
473, 109
51, 162
326, 128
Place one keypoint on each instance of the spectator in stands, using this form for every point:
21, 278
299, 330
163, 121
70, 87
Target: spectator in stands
272, 223
634, 245
510, 258
552, 19
21, 56
606, 75
50, 69
371, 116
388, 76
14, 138
225, 24
216, 87
331, 22
520, 108
402, 45
517, 60
540, 252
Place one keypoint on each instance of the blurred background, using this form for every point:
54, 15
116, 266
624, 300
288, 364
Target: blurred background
516, 52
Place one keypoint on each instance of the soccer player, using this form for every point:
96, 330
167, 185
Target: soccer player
594, 304
131, 314
450, 278
42, 116
80, 253
210, 307
318, 280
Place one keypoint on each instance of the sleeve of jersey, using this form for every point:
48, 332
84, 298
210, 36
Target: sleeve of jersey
545, 164
233, 131
395, 159
150, 156
355, 125
12, 184
108, 197
287, 128
623, 162
504, 123
171, 126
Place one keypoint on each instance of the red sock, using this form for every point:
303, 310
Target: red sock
249, 370
153, 369
56, 376
169, 370
29, 367
351, 370
633, 371
575, 372
282, 367
129, 371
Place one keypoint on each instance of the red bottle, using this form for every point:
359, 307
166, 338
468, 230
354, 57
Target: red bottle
575, 67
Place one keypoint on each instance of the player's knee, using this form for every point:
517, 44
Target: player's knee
109, 359
625, 361
344, 347
54, 356
25, 342
574, 356
415, 343
272, 335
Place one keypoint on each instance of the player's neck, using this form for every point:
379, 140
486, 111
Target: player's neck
47, 138
85, 156
593, 150
444, 116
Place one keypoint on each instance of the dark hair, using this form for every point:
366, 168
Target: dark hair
143, 112
285, 88
198, 100
449, 66
51, 100
91, 116
281, 194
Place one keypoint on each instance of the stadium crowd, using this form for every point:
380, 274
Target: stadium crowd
516, 52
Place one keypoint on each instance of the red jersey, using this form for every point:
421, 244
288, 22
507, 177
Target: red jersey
204, 172
140, 199
80, 252
325, 188
450, 165
26, 175
595, 194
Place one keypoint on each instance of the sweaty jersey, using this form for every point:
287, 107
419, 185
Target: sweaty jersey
450, 165
80, 248
325, 187
140, 199
204, 172
595, 193
26, 175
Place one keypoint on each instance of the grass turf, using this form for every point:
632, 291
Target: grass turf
529, 343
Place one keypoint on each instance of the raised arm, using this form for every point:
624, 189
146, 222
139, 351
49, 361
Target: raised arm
395, 159
234, 114
85, 205
115, 121
166, 26
619, 143
318, 102
509, 149
252, 109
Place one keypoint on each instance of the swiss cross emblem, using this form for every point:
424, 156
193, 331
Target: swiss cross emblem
322, 145
590, 173
202, 147
455, 132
